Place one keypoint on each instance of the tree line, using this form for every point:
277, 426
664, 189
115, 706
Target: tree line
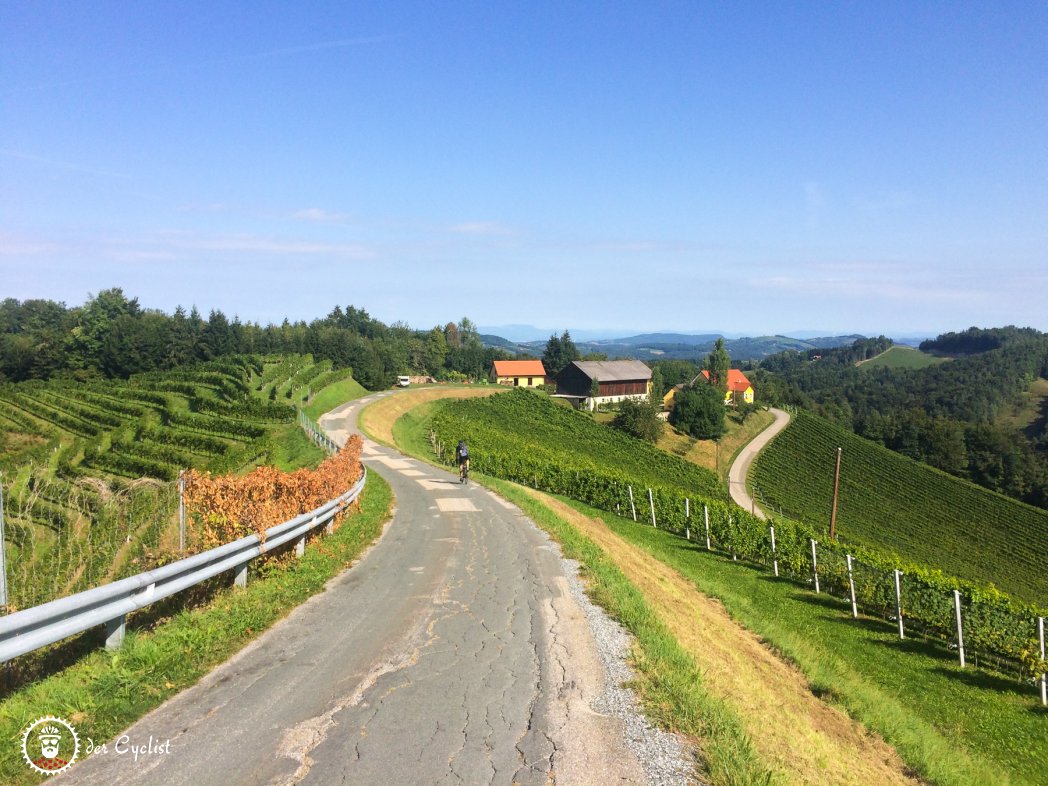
112, 336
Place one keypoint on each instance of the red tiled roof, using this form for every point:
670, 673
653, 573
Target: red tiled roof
519, 368
736, 380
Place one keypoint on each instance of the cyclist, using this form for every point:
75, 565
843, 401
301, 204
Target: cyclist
462, 456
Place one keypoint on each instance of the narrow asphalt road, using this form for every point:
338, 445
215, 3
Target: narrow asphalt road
740, 468
452, 652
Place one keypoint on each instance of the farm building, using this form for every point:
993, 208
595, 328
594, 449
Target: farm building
738, 387
520, 373
590, 383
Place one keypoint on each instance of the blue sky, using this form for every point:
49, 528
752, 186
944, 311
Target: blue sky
752, 168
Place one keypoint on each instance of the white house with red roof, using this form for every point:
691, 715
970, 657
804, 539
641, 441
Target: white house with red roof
519, 373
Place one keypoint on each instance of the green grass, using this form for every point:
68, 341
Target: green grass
410, 430
293, 449
331, 396
900, 356
952, 726
104, 691
888, 501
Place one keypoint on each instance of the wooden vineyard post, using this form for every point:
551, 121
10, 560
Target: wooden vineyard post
774, 558
687, 519
706, 516
851, 588
734, 556
182, 509
814, 565
898, 602
3, 555
651, 502
632, 506
960, 630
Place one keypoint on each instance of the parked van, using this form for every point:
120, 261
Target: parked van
403, 382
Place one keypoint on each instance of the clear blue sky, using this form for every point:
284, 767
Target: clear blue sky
754, 168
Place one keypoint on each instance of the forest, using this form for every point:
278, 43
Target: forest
112, 336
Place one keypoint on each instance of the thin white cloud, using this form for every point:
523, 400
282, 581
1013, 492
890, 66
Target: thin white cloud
482, 228
319, 216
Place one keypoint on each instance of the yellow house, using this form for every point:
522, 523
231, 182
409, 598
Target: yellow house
738, 387
519, 373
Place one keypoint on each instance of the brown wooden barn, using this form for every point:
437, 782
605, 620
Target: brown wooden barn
616, 380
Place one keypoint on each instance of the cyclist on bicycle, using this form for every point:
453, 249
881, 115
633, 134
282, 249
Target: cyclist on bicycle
462, 456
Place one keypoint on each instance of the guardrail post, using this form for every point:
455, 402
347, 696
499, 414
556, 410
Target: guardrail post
330, 528
240, 576
300, 546
114, 632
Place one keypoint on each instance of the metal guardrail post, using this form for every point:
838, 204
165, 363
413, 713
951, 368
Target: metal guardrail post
114, 632
240, 576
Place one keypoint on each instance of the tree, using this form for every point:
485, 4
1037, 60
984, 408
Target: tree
559, 353
639, 419
717, 363
699, 411
658, 386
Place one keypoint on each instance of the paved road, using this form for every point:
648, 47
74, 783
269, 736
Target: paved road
740, 468
451, 653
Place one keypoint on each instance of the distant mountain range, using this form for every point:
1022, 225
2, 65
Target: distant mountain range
675, 346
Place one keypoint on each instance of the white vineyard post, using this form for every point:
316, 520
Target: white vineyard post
960, 630
651, 502
181, 510
734, 556
632, 506
851, 588
898, 602
706, 516
774, 558
687, 518
1044, 677
814, 565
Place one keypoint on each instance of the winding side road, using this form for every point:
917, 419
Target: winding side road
740, 468
452, 652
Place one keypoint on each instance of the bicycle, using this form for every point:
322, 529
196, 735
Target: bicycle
464, 472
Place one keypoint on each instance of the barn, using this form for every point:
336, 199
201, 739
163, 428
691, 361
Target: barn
590, 383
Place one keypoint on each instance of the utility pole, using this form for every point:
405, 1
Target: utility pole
836, 486
3, 554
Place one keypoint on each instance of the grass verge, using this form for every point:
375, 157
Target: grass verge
952, 727
104, 692
331, 396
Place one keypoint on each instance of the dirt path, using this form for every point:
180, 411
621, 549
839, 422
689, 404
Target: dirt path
805, 740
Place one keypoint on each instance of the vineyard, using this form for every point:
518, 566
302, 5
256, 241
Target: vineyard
89, 469
892, 503
521, 437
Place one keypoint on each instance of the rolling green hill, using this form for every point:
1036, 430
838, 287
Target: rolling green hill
900, 356
888, 501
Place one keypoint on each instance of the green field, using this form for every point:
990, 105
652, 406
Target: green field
900, 356
893, 503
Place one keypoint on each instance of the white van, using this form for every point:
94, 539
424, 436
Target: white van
403, 382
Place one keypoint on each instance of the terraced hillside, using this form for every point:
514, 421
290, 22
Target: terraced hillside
891, 502
89, 470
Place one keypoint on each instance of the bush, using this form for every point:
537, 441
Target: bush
638, 419
699, 411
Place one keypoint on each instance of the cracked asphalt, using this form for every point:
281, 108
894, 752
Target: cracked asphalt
452, 652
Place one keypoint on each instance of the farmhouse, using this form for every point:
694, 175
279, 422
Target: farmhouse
738, 387
520, 373
590, 383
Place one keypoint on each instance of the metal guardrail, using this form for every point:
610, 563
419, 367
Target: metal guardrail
109, 604
316, 433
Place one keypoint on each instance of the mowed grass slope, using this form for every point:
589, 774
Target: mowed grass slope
902, 357
889, 501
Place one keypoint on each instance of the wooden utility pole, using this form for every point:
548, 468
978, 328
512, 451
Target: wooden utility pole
836, 486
